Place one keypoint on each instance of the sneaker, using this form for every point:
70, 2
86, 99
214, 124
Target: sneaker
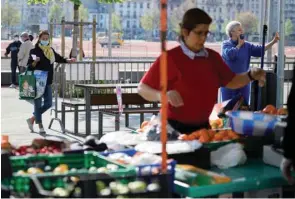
42, 131
30, 125
12, 86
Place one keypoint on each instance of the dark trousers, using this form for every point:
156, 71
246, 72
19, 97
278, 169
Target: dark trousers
13, 66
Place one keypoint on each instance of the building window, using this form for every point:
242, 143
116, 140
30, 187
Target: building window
100, 25
214, 9
141, 5
121, 13
128, 5
148, 5
121, 5
128, 24
220, 9
134, 5
134, 14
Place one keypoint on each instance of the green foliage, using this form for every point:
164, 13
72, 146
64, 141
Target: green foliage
213, 27
177, 14
249, 22
288, 27
55, 13
76, 2
10, 16
116, 23
83, 13
147, 22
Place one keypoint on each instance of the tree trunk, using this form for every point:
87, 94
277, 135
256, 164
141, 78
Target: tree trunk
76, 30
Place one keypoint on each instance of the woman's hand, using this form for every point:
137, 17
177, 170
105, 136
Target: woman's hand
276, 38
174, 98
36, 60
259, 75
72, 60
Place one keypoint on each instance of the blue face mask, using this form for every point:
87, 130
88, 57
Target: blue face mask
44, 42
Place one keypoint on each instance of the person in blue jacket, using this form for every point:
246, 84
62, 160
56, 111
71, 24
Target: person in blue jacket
236, 52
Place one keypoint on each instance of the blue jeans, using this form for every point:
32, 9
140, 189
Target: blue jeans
228, 94
38, 108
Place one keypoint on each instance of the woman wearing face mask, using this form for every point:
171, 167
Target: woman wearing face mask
236, 52
45, 56
194, 75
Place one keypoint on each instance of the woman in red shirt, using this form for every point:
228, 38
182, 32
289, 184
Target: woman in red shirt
194, 75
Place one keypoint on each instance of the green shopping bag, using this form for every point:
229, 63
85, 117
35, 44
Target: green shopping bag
27, 85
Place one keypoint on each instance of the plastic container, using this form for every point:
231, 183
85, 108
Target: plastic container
252, 124
20, 183
89, 188
147, 169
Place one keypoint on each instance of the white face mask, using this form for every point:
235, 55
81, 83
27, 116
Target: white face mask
16, 39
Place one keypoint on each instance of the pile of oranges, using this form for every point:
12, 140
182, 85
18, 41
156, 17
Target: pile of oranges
208, 135
270, 109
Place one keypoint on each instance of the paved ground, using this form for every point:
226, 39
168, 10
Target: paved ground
14, 113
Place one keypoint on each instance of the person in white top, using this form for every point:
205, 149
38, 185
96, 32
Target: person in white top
24, 51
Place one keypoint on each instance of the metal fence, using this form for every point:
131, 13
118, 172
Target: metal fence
123, 71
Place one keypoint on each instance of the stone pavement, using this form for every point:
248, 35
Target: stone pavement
14, 113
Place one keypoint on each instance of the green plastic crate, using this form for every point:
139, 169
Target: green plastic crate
81, 161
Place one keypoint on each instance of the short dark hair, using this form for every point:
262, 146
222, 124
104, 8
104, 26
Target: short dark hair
193, 17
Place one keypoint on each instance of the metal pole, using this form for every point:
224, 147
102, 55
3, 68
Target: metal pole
262, 4
93, 49
264, 32
110, 31
76, 30
270, 28
81, 41
281, 56
63, 36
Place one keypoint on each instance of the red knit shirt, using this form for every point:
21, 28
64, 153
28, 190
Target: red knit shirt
196, 80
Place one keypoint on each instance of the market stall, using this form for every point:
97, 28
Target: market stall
229, 156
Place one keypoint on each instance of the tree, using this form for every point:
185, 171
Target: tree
249, 22
177, 14
116, 22
10, 16
149, 21
213, 27
288, 27
77, 4
56, 13
83, 13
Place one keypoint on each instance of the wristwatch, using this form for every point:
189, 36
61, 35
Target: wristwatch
250, 76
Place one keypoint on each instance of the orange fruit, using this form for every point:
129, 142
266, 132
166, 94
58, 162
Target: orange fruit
282, 111
270, 109
145, 123
204, 139
217, 137
211, 133
223, 133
